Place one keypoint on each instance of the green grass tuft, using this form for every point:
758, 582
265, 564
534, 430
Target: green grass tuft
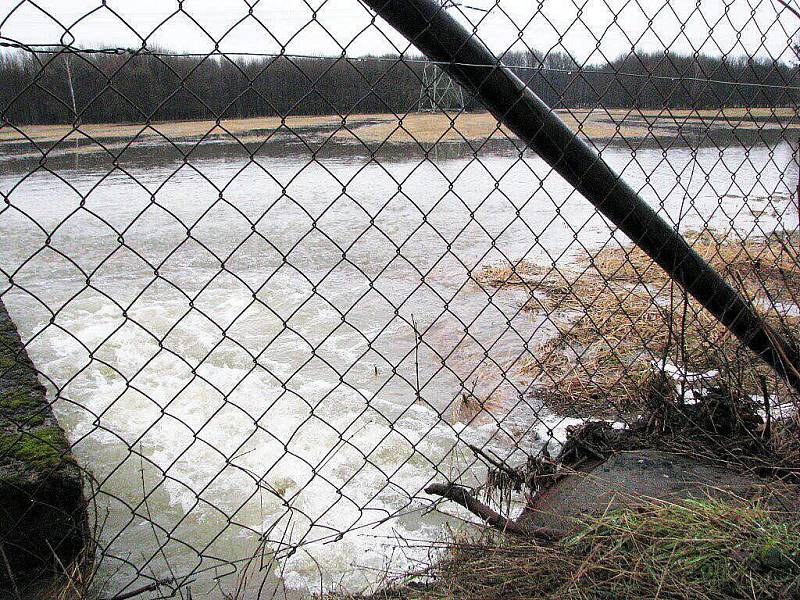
715, 548
699, 549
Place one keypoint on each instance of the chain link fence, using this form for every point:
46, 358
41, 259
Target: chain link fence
278, 272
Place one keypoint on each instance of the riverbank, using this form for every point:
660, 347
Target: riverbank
689, 502
618, 316
684, 481
413, 127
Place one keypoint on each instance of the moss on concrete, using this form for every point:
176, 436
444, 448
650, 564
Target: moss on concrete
8, 339
42, 508
44, 448
19, 399
6, 360
22, 407
10, 345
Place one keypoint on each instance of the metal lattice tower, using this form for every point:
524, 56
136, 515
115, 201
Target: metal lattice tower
439, 91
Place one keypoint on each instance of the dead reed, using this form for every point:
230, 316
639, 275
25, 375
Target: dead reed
617, 315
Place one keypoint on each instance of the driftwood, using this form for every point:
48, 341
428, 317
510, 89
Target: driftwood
462, 495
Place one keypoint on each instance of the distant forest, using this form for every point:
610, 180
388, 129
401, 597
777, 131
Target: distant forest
137, 86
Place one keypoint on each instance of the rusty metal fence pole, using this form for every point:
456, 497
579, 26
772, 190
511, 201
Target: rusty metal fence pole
467, 59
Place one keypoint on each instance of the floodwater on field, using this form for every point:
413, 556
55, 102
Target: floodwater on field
230, 343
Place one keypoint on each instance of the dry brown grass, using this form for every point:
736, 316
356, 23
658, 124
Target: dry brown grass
426, 128
73, 581
423, 127
429, 128
598, 124
731, 112
171, 129
617, 313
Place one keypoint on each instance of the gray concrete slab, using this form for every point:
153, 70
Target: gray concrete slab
624, 479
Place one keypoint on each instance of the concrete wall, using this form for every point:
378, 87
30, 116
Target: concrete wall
42, 507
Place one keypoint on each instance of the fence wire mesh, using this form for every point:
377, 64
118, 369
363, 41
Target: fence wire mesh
278, 273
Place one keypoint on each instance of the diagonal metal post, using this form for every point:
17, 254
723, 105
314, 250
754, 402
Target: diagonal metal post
465, 58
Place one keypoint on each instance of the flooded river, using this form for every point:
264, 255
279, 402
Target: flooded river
230, 341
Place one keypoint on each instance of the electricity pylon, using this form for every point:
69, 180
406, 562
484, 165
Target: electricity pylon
439, 91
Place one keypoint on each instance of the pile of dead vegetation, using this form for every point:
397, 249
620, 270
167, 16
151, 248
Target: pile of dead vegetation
724, 427
616, 314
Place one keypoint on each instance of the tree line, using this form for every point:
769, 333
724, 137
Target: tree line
135, 86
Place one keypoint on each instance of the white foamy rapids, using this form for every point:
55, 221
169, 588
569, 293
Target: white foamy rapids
216, 435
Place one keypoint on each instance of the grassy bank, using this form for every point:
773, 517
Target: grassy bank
696, 549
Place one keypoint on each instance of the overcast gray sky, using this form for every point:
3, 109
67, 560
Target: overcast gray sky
711, 26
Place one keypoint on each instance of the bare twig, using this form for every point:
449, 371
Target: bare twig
150, 587
416, 356
767, 409
463, 496
150, 520
63, 569
498, 464
10, 573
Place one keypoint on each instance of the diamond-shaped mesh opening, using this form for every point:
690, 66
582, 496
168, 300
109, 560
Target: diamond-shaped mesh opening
276, 271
